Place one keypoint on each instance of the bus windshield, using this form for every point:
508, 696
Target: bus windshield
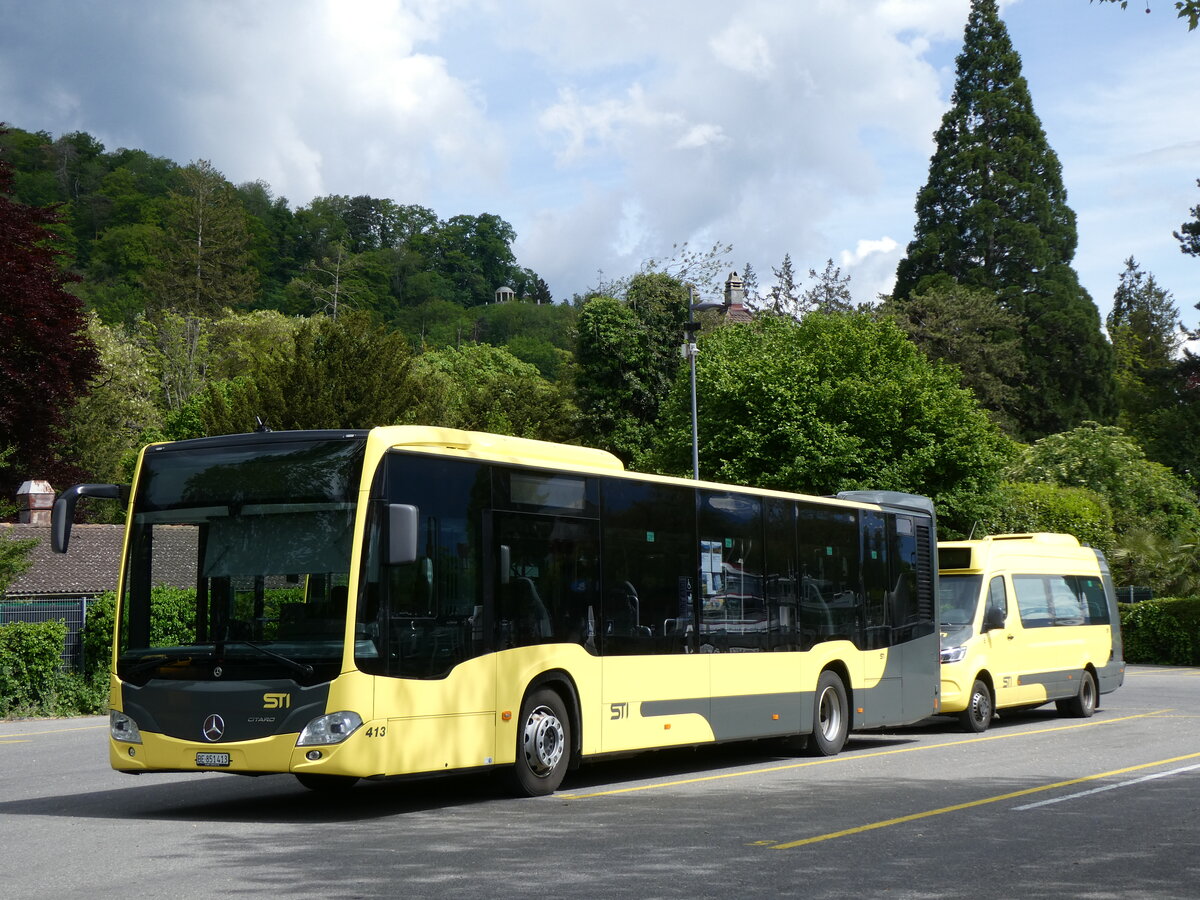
958, 595
260, 529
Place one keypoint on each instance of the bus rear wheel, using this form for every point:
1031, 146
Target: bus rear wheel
831, 716
543, 745
978, 715
1083, 704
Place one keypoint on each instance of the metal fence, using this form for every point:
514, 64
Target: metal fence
72, 612
1134, 594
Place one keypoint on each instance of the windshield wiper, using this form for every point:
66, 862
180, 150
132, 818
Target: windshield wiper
303, 668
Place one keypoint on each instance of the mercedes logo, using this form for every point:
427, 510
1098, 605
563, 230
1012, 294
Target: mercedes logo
214, 728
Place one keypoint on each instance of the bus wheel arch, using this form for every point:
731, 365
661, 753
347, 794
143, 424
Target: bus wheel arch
831, 713
981, 705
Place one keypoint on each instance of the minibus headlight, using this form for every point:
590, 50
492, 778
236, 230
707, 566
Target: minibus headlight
329, 729
953, 654
123, 728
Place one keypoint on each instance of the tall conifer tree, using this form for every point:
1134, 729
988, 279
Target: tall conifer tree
994, 215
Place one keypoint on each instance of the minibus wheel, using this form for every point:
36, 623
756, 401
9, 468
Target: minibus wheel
978, 715
831, 716
543, 744
1083, 704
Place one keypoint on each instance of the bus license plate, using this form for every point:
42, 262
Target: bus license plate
212, 759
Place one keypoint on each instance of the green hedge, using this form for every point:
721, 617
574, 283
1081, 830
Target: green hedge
30, 655
1164, 631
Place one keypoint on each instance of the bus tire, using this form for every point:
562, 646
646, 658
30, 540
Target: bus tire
1083, 704
831, 716
326, 783
543, 745
978, 715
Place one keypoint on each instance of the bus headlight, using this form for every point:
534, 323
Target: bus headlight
953, 654
329, 729
123, 728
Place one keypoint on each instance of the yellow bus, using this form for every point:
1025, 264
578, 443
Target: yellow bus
1026, 619
412, 601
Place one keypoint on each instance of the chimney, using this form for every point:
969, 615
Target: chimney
735, 291
35, 499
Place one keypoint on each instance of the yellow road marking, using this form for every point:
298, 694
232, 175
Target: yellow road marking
853, 757
25, 734
1171, 673
900, 820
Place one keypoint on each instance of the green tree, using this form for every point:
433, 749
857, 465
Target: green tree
967, 328
616, 401
627, 356
1143, 495
1146, 334
483, 388
831, 291
348, 373
783, 298
1188, 234
206, 262
110, 422
1024, 507
993, 215
833, 402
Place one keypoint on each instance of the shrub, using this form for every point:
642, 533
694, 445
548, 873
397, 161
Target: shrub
30, 656
1024, 507
1163, 631
98, 633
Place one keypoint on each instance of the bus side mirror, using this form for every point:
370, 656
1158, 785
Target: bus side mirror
63, 513
993, 619
402, 534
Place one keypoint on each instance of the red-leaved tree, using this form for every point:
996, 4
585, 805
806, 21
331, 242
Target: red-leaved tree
46, 358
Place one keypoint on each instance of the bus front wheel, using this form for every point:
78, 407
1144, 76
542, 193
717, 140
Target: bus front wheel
543, 744
831, 716
978, 715
1083, 704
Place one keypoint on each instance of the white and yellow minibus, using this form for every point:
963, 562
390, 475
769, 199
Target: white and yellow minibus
1026, 619
413, 601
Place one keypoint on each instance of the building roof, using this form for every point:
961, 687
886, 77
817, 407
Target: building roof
91, 564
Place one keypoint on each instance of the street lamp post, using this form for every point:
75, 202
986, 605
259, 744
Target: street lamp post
690, 351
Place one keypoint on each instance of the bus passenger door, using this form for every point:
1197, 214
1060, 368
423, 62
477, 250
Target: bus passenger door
546, 580
1008, 648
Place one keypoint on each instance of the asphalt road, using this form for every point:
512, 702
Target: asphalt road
1039, 806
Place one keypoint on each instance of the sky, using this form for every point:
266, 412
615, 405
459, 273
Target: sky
611, 132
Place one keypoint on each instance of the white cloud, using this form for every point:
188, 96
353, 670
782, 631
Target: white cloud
606, 132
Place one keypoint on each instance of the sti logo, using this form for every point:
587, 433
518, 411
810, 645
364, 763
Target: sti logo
277, 701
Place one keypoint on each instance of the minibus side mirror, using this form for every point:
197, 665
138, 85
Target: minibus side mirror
402, 534
993, 619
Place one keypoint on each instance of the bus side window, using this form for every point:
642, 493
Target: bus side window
1033, 601
1095, 602
649, 562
